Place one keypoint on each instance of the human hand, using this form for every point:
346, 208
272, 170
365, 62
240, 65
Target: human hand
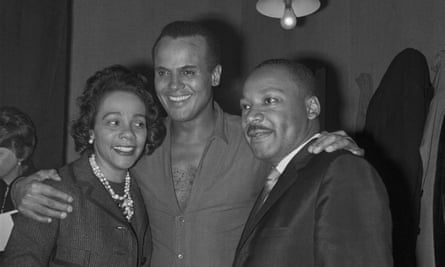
330, 142
39, 201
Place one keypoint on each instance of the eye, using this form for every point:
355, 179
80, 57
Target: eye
270, 100
188, 73
113, 123
161, 73
244, 106
140, 124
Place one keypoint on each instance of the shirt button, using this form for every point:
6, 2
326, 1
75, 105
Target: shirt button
181, 219
180, 256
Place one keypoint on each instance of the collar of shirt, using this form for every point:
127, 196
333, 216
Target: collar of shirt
283, 163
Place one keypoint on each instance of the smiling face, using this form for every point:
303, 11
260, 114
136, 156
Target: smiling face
183, 79
276, 114
119, 132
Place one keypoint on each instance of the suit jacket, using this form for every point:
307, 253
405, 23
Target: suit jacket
329, 209
95, 234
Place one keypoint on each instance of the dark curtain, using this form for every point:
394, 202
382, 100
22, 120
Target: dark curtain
33, 69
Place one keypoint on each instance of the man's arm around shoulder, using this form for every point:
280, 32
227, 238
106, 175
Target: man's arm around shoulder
39, 201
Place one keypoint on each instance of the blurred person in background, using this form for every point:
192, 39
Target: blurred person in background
17, 143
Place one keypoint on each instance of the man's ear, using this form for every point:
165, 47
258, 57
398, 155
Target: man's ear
216, 75
313, 107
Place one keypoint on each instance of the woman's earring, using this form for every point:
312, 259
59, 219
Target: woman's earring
91, 140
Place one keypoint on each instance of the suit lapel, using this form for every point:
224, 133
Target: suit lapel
93, 189
286, 180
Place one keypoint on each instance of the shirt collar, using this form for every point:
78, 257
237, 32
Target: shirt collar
285, 161
220, 129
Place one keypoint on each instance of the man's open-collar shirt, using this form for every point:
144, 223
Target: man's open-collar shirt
226, 185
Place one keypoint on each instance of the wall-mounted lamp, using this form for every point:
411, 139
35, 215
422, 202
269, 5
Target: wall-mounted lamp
287, 10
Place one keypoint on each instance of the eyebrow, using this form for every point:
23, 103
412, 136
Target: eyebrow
181, 67
110, 113
118, 113
141, 115
189, 66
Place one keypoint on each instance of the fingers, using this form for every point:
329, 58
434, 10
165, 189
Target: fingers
45, 174
35, 216
40, 190
325, 142
43, 208
330, 142
40, 201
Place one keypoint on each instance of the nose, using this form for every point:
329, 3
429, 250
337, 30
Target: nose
175, 82
127, 133
253, 115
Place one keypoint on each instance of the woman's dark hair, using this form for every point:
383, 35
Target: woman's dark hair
102, 83
17, 132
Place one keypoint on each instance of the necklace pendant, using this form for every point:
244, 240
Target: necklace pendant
128, 202
127, 207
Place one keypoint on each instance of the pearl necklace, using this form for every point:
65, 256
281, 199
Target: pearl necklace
127, 202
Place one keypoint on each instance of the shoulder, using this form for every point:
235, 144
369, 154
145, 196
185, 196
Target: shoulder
233, 130
343, 170
70, 173
340, 157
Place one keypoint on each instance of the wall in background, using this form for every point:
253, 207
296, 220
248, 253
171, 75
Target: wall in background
347, 37
34, 42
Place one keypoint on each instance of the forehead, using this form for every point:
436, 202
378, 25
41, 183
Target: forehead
179, 48
121, 101
270, 78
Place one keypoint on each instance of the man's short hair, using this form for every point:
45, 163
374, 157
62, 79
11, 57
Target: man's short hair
302, 75
179, 29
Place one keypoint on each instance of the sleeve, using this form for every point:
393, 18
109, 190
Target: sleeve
352, 216
31, 243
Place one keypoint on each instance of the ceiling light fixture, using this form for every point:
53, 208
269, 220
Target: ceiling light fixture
287, 10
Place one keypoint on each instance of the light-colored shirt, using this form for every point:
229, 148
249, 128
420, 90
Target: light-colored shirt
285, 161
224, 190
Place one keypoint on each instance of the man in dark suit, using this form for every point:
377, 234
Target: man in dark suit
329, 209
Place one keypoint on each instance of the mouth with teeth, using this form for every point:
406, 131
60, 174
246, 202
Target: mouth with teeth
179, 98
125, 150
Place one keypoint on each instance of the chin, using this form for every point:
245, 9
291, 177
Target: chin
260, 154
124, 164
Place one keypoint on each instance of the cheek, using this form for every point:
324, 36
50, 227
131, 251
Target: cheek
243, 123
103, 138
8, 161
141, 137
158, 85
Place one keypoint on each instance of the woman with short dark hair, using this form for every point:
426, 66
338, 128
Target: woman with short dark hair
108, 226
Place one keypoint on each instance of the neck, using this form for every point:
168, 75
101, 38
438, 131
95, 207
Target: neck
195, 130
12, 175
116, 177
111, 174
